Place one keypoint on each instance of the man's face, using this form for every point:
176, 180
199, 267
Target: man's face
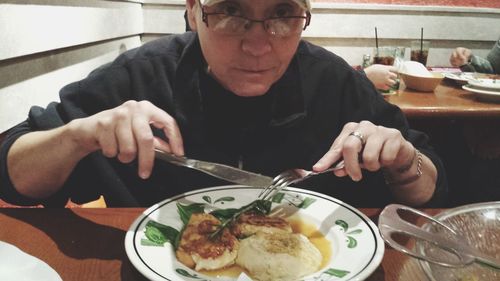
248, 63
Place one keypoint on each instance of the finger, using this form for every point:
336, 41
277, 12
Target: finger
384, 87
393, 69
161, 145
106, 137
164, 121
335, 151
389, 152
127, 147
145, 145
393, 75
371, 152
351, 149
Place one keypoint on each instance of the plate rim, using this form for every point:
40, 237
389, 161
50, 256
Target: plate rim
447, 75
491, 94
475, 83
365, 272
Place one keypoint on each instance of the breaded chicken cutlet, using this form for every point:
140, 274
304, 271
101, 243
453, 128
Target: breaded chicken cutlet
196, 250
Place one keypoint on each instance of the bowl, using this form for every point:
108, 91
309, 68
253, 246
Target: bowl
479, 225
421, 83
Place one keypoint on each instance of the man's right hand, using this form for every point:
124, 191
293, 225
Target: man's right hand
124, 132
460, 56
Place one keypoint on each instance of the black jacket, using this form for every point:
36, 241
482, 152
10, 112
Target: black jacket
291, 126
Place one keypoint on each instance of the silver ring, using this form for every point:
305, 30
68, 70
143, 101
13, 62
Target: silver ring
359, 136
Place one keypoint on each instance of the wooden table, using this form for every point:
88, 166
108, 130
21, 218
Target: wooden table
448, 100
88, 244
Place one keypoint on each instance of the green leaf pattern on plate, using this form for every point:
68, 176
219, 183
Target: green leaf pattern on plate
185, 273
207, 199
297, 201
351, 241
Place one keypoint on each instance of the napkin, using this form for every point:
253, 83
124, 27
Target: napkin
416, 69
17, 265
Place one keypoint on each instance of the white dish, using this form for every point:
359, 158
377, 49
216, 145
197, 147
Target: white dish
484, 94
479, 225
461, 78
18, 265
356, 246
491, 84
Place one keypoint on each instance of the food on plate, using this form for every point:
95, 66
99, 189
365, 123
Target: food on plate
248, 238
197, 250
279, 256
252, 222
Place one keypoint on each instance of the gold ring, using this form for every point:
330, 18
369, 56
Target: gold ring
359, 136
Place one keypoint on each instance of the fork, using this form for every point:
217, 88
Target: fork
292, 176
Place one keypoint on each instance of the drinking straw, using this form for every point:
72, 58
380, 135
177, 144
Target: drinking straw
376, 39
421, 40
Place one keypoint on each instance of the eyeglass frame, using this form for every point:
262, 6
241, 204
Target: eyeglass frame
204, 18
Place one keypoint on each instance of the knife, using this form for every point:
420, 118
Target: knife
220, 171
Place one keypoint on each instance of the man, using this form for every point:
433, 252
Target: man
243, 90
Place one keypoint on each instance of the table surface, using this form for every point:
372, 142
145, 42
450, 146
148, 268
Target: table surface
448, 100
88, 243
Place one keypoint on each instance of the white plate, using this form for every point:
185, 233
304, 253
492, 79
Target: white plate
484, 94
460, 77
356, 246
18, 265
489, 84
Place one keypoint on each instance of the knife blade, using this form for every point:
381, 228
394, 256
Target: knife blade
220, 171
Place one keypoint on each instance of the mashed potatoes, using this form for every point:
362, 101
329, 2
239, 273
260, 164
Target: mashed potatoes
279, 256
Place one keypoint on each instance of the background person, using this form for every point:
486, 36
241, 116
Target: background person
468, 62
242, 90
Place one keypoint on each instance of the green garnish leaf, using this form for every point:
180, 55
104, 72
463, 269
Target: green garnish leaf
224, 214
159, 233
259, 206
147, 242
185, 211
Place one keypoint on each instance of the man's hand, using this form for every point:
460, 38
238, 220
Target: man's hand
124, 132
365, 145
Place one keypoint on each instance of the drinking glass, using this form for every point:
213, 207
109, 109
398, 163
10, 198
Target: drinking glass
384, 55
420, 51
389, 55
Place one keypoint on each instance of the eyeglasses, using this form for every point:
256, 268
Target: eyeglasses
226, 24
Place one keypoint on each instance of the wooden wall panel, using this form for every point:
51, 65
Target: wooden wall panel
36, 80
31, 28
47, 44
